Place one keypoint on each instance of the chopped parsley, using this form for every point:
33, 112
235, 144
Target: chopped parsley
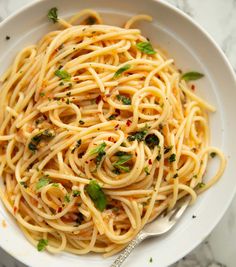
122, 158
90, 20
124, 99
42, 244
43, 181
81, 122
172, 158
78, 143
67, 198
45, 135
99, 150
42, 94
151, 260
75, 193
158, 157
213, 154
55, 185
112, 117
121, 70
52, 14
152, 140
167, 149
192, 76
63, 75
139, 135
200, 185
97, 195
24, 184
175, 176
146, 48
146, 170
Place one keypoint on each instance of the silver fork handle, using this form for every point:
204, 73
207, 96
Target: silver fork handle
125, 253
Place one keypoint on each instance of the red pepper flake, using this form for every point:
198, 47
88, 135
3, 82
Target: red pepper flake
15, 210
128, 123
98, 99
76, 79
117, 111
193, 87
136, 154
59, 209
111, 139
149, 161
108, 95
117, 126
86, 162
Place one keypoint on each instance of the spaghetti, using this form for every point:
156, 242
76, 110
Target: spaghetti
99, 135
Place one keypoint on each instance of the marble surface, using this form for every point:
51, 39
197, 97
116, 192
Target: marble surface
218, 18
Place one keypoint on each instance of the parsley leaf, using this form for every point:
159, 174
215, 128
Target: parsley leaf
146, 170
75, 193
146, 48
121, 70
78, 143
192, 76
152, 140
24, 184
46, 134
43, 181
123, 158
200, 185
52, 14
97, 195
67, 198
213, 154
124, 99
98, 149
172, 158
42, 244
63, 74
139, 135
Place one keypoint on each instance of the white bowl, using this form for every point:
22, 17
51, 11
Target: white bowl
193, 49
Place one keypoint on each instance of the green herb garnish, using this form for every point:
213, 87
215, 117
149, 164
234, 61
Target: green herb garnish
121, 70
67, 198
42, 94
175, 176
152, 140
97, 195
122, 158
75, 193
192, 76
55, 185
52, 14
78, 143
167, 149
63, 74
158, 157
213, 154
90, 20
150, 260
146, 170
200, 185
45, 135
139, 135
43, 181
146, 48
81, 122
99, 150
42, 244
112, 117
124, 99
172, 158
24, 184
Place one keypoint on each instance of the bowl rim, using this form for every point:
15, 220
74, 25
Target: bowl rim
230, 68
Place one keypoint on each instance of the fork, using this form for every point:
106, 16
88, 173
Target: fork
156, 228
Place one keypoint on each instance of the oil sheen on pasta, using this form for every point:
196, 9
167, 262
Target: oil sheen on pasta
97, 137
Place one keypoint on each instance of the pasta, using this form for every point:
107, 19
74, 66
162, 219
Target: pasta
99, 134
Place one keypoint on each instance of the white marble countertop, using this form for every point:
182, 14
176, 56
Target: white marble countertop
218, 18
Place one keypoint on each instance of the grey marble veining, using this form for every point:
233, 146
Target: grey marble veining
218, 17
